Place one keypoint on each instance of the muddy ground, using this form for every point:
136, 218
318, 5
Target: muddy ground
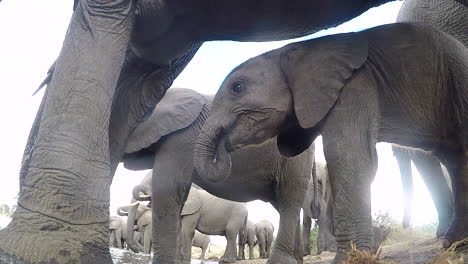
415, 252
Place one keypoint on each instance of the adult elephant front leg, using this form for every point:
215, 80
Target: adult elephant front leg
63, 207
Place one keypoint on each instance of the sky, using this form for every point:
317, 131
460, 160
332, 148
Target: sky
31, 36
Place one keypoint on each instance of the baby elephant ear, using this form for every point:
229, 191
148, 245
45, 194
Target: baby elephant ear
317, 69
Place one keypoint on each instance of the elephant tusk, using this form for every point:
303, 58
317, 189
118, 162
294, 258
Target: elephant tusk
135, 203
145, 196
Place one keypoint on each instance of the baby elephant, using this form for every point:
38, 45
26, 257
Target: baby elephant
399, 83
264, 232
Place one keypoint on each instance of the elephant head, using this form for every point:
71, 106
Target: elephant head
178, 109
285, 93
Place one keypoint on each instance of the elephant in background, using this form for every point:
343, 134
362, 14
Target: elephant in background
166, 141
208, 214
264, 233
201, 241
435, 178
141, 216
249, 239
354, 90
118, 232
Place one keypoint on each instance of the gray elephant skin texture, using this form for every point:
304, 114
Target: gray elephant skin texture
117, 61
401, 83
166, 141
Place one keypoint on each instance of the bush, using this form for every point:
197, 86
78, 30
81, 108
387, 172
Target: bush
313, 240
397, 233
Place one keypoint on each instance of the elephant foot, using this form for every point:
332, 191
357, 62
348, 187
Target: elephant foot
280, 257
227, 259
456, 233
35, 238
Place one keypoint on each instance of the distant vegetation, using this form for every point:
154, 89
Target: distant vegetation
398, 234
7, 210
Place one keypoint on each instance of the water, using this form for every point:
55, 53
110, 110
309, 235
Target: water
122, 256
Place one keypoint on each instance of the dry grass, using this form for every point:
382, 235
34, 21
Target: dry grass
449, 256
356, 256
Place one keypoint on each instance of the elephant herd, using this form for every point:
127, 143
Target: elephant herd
202, 215
166, 143
108, 101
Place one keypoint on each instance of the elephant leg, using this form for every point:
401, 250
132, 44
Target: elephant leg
458, 170
351, 179
431, 172
187, 231
284, 245
307, 225
404, 163
147, 239
241, 242
230, 252
298, 244
118, 237
251, 248
63, 204
262, 247
111, 238
173, 168
202, 256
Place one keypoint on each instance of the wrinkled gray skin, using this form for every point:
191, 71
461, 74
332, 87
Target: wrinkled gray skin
166, 141
249, 238
436, 180
201, 241
318, 207
264, 233
208, 214
399, 83
141, 217
110, 51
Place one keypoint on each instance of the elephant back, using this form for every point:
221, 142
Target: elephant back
178, 109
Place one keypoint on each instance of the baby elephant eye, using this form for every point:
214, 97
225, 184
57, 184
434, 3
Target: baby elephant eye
236, 88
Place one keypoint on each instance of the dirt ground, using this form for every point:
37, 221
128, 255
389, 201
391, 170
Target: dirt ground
415, 252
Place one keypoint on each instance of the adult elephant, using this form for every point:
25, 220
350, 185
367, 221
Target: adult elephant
208, 214
166, 141
435, 178
360, 94
201, 241
264, 233
249, 238
110, 52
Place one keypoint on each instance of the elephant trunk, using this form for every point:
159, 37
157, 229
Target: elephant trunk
131, 243
145, 189
211, 158
122, 210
